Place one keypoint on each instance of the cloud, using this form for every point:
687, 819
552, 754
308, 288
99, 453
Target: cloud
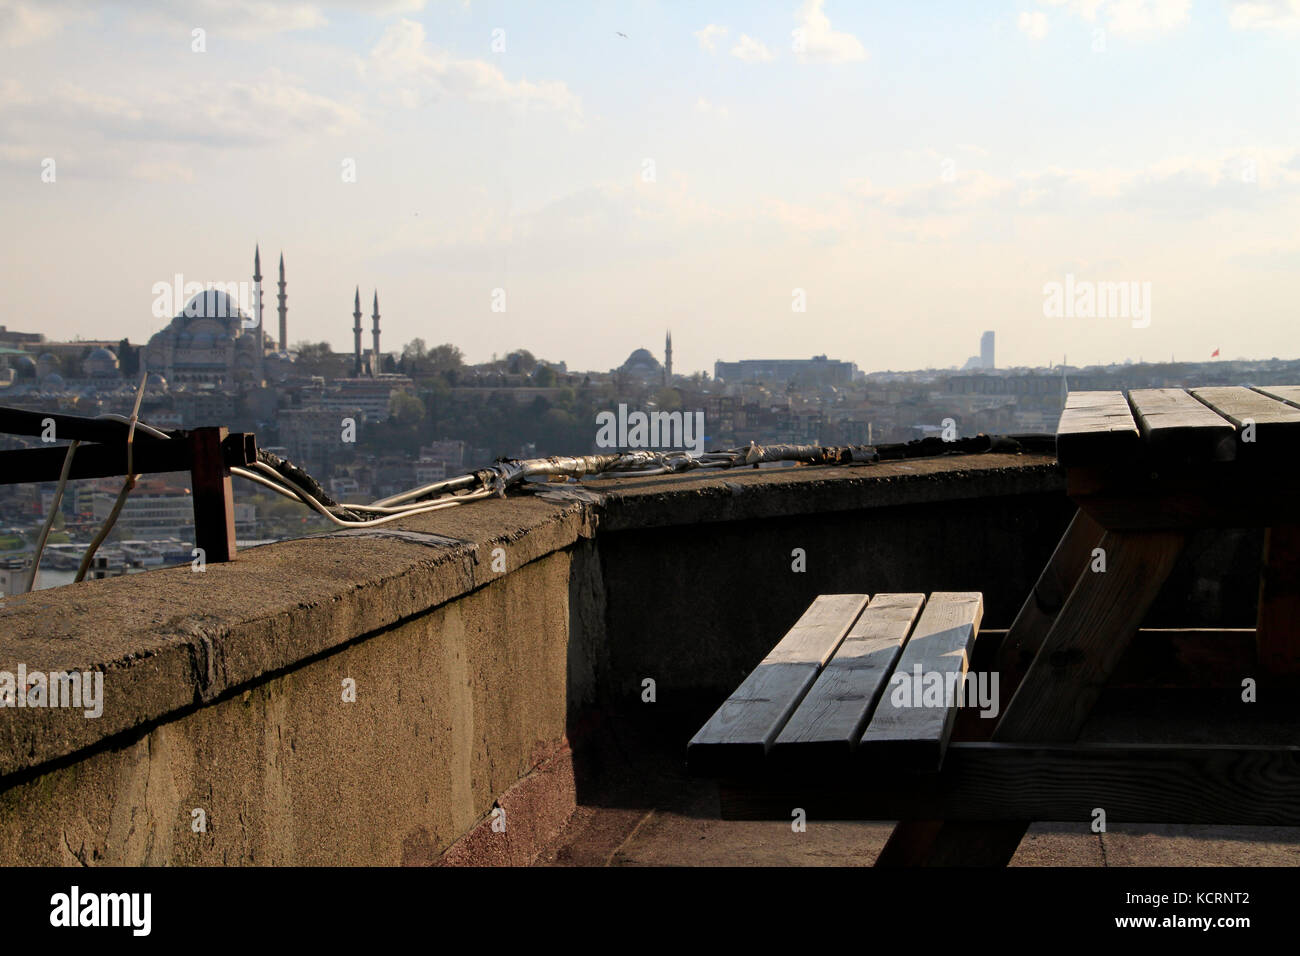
816, 42
215, 114
25, 23
1146, 16
1033, 24
423, 74
1265, 15
704, 106
751, 50
1122, 16
708, 35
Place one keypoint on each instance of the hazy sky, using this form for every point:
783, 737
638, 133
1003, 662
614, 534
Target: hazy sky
920, 170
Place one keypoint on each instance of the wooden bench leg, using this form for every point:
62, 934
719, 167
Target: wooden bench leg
911, 842
1076, 657
1277, 631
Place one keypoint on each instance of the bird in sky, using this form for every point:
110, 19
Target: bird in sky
622, 34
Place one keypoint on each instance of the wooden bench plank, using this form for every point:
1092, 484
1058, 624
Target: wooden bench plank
915, 736
833, 715
742, 730
1208, 784
1276, 425
1095, 426
1176, 426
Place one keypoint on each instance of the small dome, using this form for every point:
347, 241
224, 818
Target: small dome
100, 363
156, 380
54, 380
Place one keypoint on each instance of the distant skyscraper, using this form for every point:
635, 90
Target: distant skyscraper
986, 350
668, 359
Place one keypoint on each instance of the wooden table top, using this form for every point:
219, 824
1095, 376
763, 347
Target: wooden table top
1184, 426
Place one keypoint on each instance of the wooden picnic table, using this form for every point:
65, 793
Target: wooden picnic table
1145, 470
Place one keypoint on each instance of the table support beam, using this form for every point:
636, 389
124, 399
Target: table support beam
1053, 701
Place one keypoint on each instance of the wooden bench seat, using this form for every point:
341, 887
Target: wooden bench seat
824, 692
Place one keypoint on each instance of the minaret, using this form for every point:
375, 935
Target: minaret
356, 333
375, 368
257, 289
284, 310
668, 358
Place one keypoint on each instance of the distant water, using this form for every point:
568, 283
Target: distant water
50, 578
56, 578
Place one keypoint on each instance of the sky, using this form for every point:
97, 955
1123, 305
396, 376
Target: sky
879, 182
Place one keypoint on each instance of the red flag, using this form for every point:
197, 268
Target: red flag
1214, 354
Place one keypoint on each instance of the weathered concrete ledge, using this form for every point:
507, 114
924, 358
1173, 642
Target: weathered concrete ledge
168, 640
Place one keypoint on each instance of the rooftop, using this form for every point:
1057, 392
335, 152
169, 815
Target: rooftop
499, 654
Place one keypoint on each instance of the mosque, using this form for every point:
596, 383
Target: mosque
212, 342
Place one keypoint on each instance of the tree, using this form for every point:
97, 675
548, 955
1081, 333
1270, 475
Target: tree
446, 358
521, 361
316, 358
668, 399
544, 377
128, 360
405, 409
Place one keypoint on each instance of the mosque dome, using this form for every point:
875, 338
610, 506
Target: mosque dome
100, 363
641, 359
212, 304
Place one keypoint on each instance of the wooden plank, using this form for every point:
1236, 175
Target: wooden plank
214, 502
1040, 610
1207, 784
1245, 495
1088, 638
1278, 624
1177, 428
150, 457
742, 730
1267, 428
1283, 393
911, 841
1096, 426
833, 715
21, 421
915, 734
1058, 691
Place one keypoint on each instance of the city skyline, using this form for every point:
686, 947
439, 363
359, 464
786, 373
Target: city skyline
707, 171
